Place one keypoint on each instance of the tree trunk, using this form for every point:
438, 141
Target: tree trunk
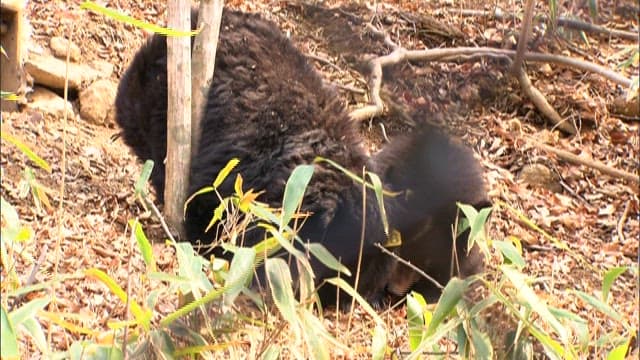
178, 114
203, 62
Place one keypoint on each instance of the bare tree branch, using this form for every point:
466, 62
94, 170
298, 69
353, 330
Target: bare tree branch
581, 160
400, 54
540, 101
574, 24
410, 265
523, 39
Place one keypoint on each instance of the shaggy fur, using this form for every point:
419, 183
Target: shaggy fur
268, 107
435, 171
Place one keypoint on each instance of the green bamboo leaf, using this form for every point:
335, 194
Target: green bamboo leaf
593, 9
377, 188
141, 185
218, 212
143, 245
92, 6
271, 353
510, 253
415, 319
26, 150
288, 246
34, 329
27, 311
609, 278
224, 173
9, 96
8, 338
294, 192
326, 258
143, 318
580, 326
163, 342
311, 330
451, 296
553, 10
599, 305
190, 266
526, 293
351, 175
343, 285
239, 274
477, 221
619, 352
280, 283
379, 342
204, 190
482, 348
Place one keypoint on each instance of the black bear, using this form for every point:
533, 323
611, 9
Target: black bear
435, 171
269, 108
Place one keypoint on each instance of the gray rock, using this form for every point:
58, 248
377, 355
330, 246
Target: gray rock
59, 45
49, 71
96, 102
105, 68
46, 101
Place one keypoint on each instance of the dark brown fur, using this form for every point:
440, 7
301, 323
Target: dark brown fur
268, 107
436, 171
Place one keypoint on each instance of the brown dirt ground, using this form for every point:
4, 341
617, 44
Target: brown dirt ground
594, 214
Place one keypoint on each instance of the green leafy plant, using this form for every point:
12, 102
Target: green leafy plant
560, 333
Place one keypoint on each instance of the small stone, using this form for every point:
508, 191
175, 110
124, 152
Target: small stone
538, 175
46, 101
97, 101
59, 45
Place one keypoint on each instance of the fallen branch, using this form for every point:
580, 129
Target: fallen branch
461, 53
410, 265
523, 39
581, 160
542, 104
325, 61
562, 21
622, 221
517, 70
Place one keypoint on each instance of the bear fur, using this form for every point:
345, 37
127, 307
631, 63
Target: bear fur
269, 108
435, 171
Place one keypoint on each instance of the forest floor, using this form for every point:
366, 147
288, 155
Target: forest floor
594, 214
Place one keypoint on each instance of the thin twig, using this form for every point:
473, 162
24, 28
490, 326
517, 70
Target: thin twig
622, 221
128, 292
32, 277
362, 234
401, 54
562, 21
581, 160
350, 88
384, 133
410, 265
63, 169
386, 38
163, 223
324, 61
